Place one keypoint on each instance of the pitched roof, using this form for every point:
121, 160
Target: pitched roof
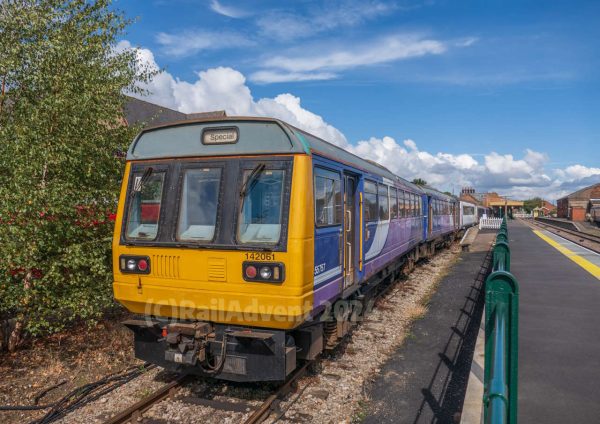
144, 113
578, 193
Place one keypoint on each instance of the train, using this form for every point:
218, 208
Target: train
245, 245
594, 215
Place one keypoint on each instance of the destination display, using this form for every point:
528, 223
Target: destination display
220, 135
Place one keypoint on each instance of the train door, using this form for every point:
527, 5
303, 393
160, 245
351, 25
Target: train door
350, 225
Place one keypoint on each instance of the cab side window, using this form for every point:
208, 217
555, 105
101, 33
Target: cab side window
328, 198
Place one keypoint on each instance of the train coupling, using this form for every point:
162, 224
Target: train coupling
187, 342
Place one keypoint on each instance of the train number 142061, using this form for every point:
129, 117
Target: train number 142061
260, 256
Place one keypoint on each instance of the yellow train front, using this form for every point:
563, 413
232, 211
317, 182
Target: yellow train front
235, 238
213, 247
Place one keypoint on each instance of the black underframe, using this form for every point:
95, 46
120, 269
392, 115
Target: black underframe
229, 202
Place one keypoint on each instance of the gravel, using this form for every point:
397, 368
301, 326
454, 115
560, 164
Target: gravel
336, 393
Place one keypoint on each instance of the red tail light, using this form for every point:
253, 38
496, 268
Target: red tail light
142, 265
251, 271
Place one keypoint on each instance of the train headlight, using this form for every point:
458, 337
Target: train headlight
131, 265
266, 273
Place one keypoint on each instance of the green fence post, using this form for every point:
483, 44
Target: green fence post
501, 256
501, 308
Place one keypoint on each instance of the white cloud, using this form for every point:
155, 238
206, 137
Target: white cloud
229, 11
267, 77
519, 177
577, 172
284, 25
191, 42
374, 52
226, 88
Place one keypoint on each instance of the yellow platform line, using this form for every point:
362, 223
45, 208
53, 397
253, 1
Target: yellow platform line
584, 263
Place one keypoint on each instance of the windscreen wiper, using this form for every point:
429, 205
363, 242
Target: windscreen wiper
139, 184
252, 178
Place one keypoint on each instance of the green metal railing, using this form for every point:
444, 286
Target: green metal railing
501, 334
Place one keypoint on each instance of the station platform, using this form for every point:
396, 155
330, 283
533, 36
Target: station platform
431, 377
559, 327
425, 379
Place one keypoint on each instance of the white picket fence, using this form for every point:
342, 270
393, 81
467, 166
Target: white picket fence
523, 215
491, 223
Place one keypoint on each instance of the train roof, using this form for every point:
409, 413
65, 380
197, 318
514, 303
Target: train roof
440, 195
253, 135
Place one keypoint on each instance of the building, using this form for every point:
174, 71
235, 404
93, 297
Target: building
576, 205
497, 205
500, 206
145, 113
468, 194
545, 209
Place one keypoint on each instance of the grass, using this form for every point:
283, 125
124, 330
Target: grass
362, 412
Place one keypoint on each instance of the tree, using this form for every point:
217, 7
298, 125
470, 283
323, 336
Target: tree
419, 182
60, 128
531, 204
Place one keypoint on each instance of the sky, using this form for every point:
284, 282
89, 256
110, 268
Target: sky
498, 95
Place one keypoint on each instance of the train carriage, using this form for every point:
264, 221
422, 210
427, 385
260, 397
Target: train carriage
468, 214
235, 238
441, 215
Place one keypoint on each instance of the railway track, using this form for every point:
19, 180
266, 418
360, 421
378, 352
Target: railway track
169, 390
588, 241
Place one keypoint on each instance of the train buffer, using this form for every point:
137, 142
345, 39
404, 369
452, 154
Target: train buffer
558, 332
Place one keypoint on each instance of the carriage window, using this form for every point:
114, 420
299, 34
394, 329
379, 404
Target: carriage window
406, 204
370, 200
260, 214
400, 203
199, 202
384, 203
393, 203
413, 205
144, 205
328, 199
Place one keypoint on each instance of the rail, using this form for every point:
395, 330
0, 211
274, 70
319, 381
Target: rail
501, 336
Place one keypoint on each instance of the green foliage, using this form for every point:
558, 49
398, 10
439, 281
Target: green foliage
419, 182
531, 204
60, 129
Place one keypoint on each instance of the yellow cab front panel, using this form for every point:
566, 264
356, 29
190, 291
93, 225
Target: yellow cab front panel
198, 272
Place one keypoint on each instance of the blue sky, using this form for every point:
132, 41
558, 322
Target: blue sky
501, 95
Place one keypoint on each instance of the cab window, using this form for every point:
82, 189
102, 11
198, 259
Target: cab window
199, 204
144, 205
261, 205
328, 198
